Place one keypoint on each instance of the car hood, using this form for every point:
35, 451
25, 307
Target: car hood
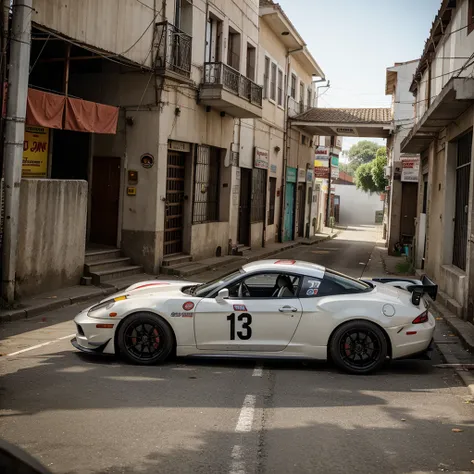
152, 287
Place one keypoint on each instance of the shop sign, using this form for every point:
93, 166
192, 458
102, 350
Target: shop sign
321, 172
334, 160
35, 152
334, 172
291, 174
309, 176
301, 175
261, 158
321, 157
410, 170
179, 146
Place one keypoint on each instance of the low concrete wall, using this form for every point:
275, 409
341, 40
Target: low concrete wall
205, 239
356, 206
52, 235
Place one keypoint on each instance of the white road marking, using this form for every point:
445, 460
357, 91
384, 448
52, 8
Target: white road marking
258, 371
237, 465
39, 345
245, 422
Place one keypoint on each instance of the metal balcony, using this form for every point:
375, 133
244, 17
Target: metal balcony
173, 51
225, 89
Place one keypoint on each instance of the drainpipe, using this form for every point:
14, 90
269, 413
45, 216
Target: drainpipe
14, 137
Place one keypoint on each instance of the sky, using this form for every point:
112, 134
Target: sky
354, 41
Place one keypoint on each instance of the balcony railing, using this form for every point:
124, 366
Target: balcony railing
173, 49
232, 81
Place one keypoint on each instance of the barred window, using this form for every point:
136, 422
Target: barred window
206, 185
259, 183
271, 207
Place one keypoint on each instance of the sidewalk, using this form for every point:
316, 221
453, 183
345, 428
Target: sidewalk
206, 270
454, 337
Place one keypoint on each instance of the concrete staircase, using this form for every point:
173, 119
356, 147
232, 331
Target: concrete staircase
108, 264
179, 264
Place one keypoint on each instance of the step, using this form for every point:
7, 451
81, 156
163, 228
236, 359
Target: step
176, 259
113, 273
96, 255
183, 270
100, 265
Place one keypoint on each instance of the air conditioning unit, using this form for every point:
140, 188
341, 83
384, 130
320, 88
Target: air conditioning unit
388, 171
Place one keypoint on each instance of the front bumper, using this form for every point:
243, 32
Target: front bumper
92, 339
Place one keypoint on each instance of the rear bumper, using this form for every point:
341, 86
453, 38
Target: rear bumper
425, 354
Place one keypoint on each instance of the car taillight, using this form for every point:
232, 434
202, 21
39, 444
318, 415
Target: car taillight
422, 318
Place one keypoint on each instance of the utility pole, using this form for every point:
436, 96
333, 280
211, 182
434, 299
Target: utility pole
18, 72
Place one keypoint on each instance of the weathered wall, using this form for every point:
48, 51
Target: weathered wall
52, 235
207, 237
356, 206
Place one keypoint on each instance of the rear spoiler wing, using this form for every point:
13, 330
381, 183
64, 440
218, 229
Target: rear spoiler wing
417, 287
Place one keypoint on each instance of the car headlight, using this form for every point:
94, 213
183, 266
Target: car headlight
100, 310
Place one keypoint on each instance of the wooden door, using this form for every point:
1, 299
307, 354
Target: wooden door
408, 209
174, 203
244, 206
105, 193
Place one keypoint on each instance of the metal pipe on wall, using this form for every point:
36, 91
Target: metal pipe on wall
20, 45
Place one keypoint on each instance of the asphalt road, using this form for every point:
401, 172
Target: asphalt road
81, 414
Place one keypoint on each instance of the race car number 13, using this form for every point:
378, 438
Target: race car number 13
246, 332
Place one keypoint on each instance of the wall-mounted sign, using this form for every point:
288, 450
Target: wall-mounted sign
334, 172
179, 146
273, 169
334, 160
321, 162
35, 152
301, 175
291, 174
147, 160
410, 170
261, 158
131, 191
309, 176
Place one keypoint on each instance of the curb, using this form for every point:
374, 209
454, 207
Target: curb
465, 375
37, 310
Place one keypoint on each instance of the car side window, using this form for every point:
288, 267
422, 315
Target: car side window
335, 283
266, 285
310, 287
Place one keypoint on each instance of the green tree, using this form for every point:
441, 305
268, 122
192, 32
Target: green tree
347, 168
362, 152
370, 177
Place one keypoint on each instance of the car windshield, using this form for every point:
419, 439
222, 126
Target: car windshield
206, 288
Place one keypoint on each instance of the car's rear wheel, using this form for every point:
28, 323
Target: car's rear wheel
359, 347
145, 339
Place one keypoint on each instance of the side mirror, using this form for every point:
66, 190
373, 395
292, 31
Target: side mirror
222, 295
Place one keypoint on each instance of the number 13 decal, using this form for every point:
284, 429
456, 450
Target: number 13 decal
247, 321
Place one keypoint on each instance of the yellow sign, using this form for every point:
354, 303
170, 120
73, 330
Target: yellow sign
35, 152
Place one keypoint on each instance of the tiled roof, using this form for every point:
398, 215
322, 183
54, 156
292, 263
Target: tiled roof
355, 116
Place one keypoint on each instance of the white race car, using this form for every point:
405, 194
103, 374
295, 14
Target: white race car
270, 308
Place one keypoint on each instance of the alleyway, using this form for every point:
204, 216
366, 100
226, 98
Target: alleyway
82, 414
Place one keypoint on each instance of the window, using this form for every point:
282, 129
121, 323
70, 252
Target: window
213, 39
266, 285
251, 62
335, 283
309, 104
271, 207
206, 185
303, 139
233, 50
259, 183
266, 77
273, 82
280, 88
301, 97
470, 17
293, 86
207, 289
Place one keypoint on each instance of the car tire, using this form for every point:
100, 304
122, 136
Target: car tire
358, 347
145, 339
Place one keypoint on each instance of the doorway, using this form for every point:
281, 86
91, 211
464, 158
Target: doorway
174, 203
408, 211
289, 211
105, 194
244, 206
301, 203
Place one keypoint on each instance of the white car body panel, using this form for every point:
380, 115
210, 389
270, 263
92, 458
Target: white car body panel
303, 329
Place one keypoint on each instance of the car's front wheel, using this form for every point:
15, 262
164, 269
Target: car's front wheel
358, 347
145, 339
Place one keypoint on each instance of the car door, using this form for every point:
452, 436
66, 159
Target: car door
259, 321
